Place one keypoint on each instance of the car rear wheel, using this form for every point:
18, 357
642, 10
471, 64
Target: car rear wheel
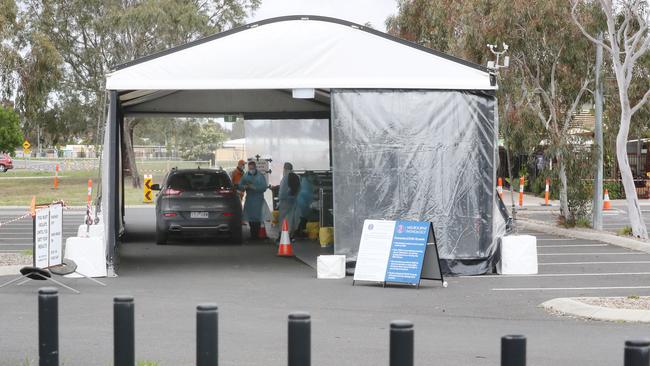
2, 169
236, 235
161, 237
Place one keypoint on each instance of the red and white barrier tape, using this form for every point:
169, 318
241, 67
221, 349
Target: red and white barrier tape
14, 220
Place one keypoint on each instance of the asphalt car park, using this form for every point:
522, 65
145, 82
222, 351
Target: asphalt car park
255, 290
574, 267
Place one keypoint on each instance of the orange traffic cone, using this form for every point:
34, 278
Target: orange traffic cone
606, 204
285, 249
261, 233
32, 207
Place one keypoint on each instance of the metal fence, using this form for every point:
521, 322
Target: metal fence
513, 347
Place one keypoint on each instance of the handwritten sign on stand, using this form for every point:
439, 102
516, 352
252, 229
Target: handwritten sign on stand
48, 236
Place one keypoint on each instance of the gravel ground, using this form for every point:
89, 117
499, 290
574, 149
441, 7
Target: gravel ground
630, 302
12, 259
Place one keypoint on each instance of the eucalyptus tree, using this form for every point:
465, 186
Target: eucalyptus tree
550, 72
627, 40
92, 36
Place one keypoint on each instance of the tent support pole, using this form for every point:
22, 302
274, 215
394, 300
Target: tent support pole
111, 195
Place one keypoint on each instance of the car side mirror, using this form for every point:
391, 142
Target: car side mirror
155, 187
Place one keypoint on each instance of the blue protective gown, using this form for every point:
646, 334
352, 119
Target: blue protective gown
254, 196
287, 206
305, 197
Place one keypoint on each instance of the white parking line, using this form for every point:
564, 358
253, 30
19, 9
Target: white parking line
562, 254
555, 239
572, 245
563, 275
583, 263
571, 288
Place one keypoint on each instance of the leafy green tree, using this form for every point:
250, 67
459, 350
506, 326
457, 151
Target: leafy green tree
626, 41
550, 71
8, 54
93, 36
210, 137
11, 136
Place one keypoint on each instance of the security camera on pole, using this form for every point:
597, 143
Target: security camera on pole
493, 68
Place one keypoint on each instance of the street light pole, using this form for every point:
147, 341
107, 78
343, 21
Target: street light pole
597, 211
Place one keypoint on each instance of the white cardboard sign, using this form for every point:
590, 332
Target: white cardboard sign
374, 250
41, 238
48, 236
56, 234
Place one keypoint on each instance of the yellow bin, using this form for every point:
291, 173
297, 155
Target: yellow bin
312, 229
326, 235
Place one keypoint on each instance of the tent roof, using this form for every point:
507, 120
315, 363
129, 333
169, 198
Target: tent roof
297, 52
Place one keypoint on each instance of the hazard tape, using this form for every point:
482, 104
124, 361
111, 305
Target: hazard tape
14, 220
28, 214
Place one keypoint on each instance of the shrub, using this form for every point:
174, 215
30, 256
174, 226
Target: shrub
625, 231
614, 189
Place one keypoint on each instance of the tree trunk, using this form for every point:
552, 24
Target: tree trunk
633, 209
512, 186
564, 201
128, 127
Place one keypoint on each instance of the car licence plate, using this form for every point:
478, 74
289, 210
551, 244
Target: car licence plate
198, 215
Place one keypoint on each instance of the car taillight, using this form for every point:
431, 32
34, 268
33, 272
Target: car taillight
172, 192
228, 214
169, 214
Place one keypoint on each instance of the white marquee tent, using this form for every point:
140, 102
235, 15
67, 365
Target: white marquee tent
300, 67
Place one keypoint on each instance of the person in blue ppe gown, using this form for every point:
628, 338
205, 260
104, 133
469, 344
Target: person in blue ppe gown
306, 196
254, 184
287, 196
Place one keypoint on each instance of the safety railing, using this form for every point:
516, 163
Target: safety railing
401, 350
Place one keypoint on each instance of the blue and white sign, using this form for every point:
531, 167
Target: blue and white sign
407, 252
393, 251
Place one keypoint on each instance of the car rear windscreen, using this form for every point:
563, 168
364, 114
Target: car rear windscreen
199, 181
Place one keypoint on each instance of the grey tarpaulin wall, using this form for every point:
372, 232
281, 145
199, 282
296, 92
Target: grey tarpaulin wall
418, 155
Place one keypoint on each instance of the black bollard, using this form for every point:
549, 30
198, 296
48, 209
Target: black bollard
637, 353
401, 343
207, 336
123, 331
299, 339
513, 350
48, 326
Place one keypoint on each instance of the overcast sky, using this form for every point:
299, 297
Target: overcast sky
357, 11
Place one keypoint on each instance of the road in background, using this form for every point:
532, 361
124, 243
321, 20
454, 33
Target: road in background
614, 219
17, 236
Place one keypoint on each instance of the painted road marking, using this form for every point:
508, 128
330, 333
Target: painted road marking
563, 275
572, 245
582, 263
572, 288
554, 239
561, 254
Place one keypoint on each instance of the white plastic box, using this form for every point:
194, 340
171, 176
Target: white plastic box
89, 254
92, 231
518, 255
330, 267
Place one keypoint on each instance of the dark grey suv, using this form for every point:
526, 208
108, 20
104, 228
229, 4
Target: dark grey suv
197, 203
